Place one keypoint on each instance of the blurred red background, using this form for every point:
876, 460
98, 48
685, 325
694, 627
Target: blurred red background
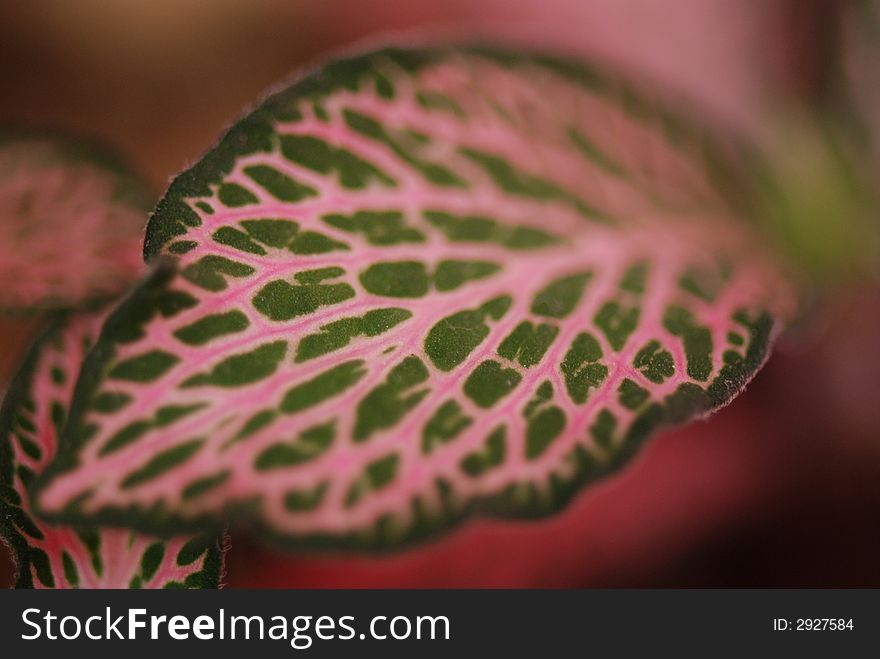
778, 489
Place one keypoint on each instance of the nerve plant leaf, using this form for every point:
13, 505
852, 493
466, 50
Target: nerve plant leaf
50, 556
412, 286
71, 222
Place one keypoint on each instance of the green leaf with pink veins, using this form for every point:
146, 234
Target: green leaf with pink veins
71, 222
57, 556
413, 286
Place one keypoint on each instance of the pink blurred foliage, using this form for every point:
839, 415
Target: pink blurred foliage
726, 56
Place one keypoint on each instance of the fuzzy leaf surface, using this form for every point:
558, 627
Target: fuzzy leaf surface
417, 285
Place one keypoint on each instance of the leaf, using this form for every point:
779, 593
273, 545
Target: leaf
50, 556
412, 286
71, 222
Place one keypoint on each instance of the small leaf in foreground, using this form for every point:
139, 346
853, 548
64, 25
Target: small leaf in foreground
51, 556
